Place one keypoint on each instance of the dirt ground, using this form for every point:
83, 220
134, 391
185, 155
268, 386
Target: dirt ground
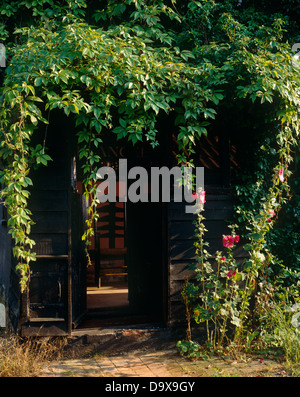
127, 353
155, 354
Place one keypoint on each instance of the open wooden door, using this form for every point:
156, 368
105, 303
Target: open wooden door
46, 307
56, 300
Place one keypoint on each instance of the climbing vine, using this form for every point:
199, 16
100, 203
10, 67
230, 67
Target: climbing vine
109, 80
122, 76
230, 295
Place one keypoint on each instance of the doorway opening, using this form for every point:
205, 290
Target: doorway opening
126, 281
107, 281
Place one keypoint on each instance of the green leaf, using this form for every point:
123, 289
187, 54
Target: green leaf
28, 181
256, 236
74, 108
38, 81
247, 247
248, 265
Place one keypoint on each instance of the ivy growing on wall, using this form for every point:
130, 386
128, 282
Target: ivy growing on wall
116, 67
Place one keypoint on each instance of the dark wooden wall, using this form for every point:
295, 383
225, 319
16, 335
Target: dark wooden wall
5, 254
218, 209
9, 280
161, 239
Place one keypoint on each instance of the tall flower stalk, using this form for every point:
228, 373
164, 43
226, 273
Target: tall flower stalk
221, 292
257, 249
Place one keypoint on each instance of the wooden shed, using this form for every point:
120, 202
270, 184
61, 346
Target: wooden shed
141, 251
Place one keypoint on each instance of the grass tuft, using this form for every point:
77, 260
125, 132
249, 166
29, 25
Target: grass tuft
24, 357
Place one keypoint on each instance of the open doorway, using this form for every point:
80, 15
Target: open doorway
126, 281
107, 281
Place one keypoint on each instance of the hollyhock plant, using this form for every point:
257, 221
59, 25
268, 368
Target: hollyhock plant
236, 238
223, 258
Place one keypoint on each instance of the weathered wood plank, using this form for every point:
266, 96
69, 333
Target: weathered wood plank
52, 177
50, 244
185, 230
48, 200
184, 250
177, 211
177, 313
175, 290
181, 250
44, 329
50, 222
180, 271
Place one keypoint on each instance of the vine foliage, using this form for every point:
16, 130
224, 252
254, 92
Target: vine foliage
189, 58
111, 79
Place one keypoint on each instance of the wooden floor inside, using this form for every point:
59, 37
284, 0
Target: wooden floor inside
108, 306
107, 297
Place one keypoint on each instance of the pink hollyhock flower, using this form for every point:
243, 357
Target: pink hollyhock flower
194, 196
231, 274
223, 258
236, 238
228, 241
281, 174
202, 197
